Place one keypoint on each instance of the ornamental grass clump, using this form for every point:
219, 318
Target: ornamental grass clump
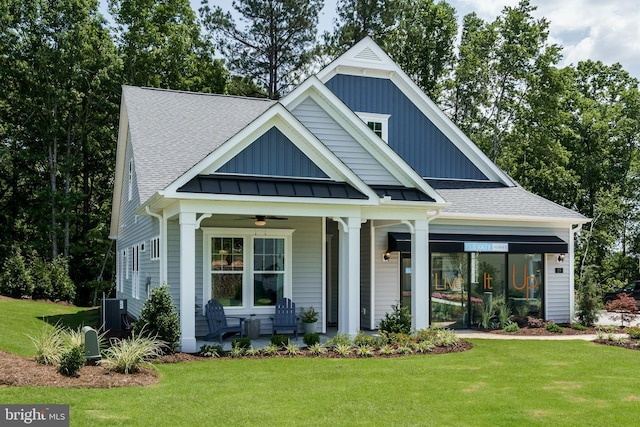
317, 349
127, 356
50, 345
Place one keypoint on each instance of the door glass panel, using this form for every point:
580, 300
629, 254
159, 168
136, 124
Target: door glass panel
449, 289
488, 287
405, 281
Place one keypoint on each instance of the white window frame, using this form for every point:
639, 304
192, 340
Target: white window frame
155, 248
248, 234
122, 273
135, 271
130, 179
383, 119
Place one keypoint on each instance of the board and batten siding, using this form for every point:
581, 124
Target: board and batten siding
135, 230
342, 144
411, 134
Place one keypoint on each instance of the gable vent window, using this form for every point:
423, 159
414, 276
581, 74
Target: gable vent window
376, 127
378, 123
130, 179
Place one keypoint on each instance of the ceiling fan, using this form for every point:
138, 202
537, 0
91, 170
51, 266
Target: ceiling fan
261, 220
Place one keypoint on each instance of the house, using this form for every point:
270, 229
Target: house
351, 194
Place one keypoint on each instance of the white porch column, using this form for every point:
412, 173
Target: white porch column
349, 276
420, 274
187, 282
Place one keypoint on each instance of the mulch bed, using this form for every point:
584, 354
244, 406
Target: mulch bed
22, 371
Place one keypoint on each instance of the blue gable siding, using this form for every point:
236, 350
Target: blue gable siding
273, 154
412, 135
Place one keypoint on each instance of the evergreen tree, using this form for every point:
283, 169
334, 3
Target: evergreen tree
275, 45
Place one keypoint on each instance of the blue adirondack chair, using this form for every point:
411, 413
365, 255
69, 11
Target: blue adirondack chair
218, 326
285, 318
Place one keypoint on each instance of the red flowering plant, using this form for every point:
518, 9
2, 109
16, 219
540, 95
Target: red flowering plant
624, 308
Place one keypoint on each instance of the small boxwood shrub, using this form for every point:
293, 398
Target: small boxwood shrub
512, 327
280, 341
72, 361
579, 327
311, 338
555, 328
244, 343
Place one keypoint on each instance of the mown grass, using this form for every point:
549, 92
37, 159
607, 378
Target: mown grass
19, 318
497, 383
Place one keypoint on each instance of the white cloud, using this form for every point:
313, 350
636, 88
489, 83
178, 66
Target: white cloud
600, 30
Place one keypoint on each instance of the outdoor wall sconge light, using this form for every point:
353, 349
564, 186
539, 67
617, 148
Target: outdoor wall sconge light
386, 256
561, 258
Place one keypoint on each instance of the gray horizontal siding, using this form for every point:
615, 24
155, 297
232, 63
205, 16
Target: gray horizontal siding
558, 291
342, 144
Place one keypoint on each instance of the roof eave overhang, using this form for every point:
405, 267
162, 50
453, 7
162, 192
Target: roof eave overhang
514, 218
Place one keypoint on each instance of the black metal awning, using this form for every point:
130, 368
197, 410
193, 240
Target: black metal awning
514, 244
274, 187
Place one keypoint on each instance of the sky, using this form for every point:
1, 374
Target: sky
600, 30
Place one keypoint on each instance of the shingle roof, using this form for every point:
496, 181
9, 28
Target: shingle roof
477, 198
173, 130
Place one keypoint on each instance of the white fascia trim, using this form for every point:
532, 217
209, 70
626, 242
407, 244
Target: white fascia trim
291, 127
121, 154
512, 218
387, 68
389, 159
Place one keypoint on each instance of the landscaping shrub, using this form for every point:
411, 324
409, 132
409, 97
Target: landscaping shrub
588, 298
62, 287
129, 355
208, 350
339, 339
400, 339
513, 327
555, 328
50, 345
398, 321
72, 361
578, 327
362, 339
624, 308
311, 338
444, 337
159, 319
41, 275
534, 322
15, 277
634, 332
244, 343
280, 341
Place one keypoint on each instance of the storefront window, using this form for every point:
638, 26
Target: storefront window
487, 290
470, 288
525, 282
449, 289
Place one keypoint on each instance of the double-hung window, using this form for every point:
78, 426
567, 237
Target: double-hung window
245, 268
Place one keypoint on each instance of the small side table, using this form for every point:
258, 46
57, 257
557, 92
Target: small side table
252, 328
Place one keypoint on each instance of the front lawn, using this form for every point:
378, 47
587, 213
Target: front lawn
498, 382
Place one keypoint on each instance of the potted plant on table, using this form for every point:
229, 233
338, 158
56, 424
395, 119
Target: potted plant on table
309, 320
